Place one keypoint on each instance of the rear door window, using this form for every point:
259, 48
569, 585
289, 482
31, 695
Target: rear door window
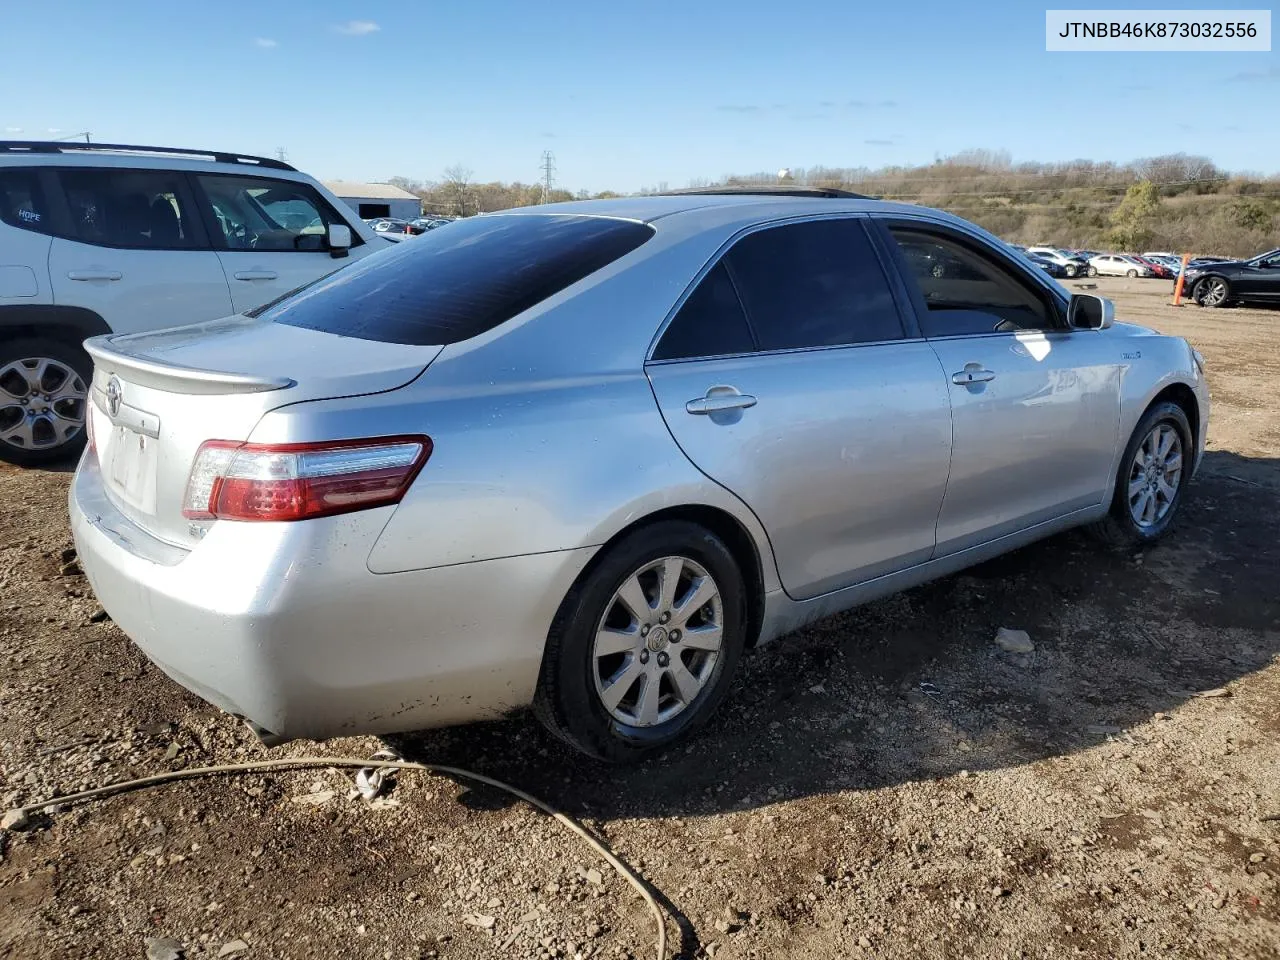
22, 200
711, 322
450, 285
138, 209
817, 283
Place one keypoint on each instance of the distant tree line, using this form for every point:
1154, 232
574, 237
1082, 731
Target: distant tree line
1174, 202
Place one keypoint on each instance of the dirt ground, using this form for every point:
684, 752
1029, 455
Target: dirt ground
1115, 793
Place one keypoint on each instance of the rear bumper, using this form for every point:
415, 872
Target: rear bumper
285, 625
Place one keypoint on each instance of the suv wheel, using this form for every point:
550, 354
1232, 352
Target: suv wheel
43, 391
644, 647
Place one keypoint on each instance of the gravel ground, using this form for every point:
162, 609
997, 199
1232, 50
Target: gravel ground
887, 783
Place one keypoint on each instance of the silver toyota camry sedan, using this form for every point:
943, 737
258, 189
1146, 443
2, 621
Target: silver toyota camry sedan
583, 456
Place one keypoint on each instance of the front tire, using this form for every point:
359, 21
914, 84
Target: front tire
1153, 474
644, 647
43, 395
1131, 274
1212, 292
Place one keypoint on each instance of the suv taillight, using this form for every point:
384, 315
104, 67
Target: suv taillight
298, 481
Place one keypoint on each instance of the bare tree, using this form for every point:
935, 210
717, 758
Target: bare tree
457, 189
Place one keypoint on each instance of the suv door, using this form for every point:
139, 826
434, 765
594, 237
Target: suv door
271, 235
786, 375
134, 250
1035, 404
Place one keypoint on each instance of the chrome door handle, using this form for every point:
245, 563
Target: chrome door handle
719, 403
94, 274
256, 275
966, 377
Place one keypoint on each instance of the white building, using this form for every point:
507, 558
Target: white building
371, 200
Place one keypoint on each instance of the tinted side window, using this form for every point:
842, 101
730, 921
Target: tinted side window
966, 292
711, 323
254, 213
814, 284
22, 202
145, 209
450, 285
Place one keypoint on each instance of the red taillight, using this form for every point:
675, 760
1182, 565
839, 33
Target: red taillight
298, 481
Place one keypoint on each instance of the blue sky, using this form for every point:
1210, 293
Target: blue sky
624, 94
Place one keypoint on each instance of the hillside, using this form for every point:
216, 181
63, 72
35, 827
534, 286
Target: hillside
1177, 202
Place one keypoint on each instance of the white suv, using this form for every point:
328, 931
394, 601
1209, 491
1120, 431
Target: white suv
103, 238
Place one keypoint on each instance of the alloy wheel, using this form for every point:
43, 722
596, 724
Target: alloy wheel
41, 403
1155, 475
1214, 293
656, 646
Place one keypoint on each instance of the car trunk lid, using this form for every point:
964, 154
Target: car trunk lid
156, 397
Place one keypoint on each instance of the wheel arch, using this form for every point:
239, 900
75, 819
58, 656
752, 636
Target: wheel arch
1181, 394
742, 545
71, 324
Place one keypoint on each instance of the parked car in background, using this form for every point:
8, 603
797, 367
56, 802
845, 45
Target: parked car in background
1117, 265
1051, 267
1170, 260
436, 488
1222, 283
102, 238
1158, 270
1085, 255
1071, 267
390, 224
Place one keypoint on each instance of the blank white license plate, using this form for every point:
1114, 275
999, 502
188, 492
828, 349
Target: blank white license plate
131, 467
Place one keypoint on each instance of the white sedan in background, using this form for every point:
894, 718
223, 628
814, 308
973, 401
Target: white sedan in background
1117, 265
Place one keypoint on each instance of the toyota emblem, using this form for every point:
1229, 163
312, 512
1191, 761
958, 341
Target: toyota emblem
113, 396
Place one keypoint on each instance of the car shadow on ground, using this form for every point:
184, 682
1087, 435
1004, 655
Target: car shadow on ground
912, 687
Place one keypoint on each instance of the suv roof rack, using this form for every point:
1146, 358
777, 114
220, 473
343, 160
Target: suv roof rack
769, 190
54, 146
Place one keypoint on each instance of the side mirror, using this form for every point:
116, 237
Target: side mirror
1087, 312
339, 237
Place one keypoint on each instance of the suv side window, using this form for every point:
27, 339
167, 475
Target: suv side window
137, 209
253, 213
22, 202
816, 283
711, 322
966, 292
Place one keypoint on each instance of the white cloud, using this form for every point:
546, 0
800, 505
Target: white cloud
265, 43
54, 130
357, 28
12, 129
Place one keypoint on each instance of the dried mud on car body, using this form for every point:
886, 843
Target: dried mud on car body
1077, 800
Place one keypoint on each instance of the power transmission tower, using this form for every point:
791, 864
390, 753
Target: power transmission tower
281, 155
74, 136
548, 174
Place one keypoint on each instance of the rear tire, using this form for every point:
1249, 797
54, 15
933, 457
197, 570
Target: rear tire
43, 395
1141, 509
1093, 271
1070, 271
596, 700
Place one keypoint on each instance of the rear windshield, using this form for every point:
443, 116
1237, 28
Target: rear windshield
459, 280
